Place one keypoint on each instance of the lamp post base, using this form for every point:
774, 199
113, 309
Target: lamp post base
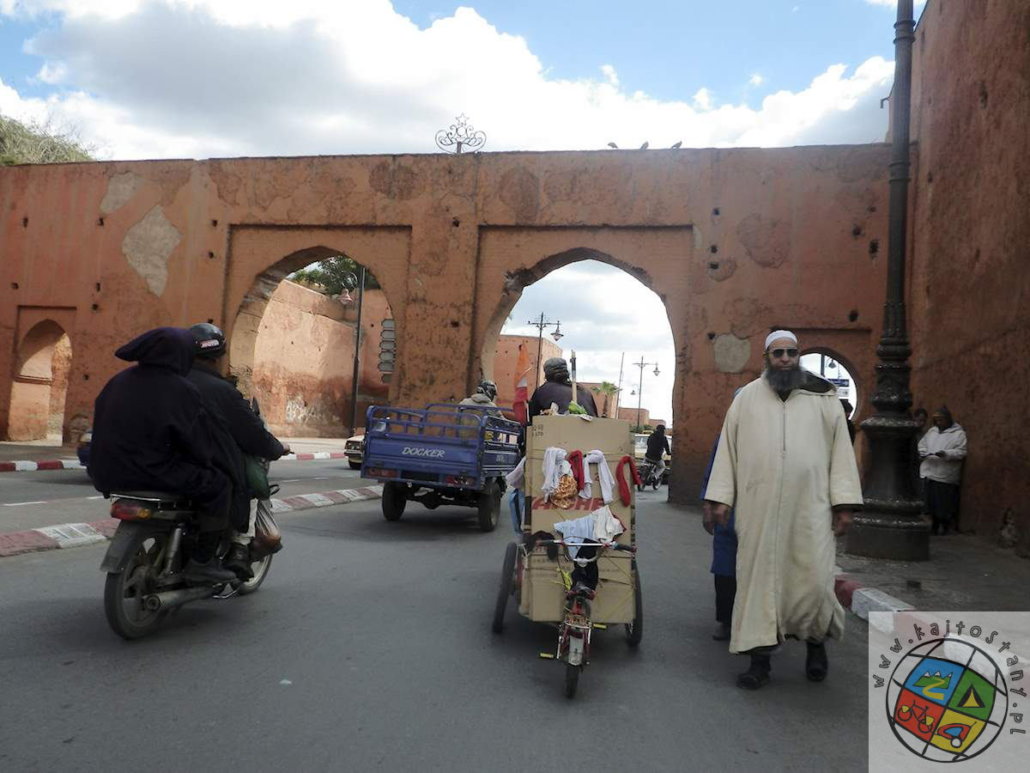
887, 535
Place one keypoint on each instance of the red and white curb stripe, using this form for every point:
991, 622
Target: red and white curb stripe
50, 464
73, 535
309, 457
73, 464
860, 600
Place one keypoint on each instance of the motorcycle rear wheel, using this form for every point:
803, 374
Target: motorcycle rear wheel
124, 591
260, 569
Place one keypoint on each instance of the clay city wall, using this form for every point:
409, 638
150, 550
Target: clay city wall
969, 289
304, 361
735, 242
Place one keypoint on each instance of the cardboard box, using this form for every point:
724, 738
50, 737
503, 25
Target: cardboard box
543, 594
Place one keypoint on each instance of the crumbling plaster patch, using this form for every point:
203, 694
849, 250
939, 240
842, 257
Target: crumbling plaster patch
120, 189
731, 353
148, 245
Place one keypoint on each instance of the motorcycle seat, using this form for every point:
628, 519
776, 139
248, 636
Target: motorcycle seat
161, 497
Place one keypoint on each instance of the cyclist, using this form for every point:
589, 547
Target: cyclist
657, 447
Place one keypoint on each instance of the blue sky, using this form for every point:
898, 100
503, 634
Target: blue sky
137, 79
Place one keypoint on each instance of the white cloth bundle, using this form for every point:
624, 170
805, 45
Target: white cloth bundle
601, 525
604, 477
555, 466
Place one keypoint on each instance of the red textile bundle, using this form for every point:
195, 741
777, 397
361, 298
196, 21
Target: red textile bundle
624, 491
575, 460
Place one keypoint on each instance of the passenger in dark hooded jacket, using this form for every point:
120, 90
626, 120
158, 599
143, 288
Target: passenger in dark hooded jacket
237, 429
151, 432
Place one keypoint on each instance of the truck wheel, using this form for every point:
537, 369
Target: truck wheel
394, 500
354, 465
489, 506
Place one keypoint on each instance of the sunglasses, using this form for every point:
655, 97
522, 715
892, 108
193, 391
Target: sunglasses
780, 352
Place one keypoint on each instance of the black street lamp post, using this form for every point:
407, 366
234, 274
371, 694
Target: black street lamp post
540, 324
891, 525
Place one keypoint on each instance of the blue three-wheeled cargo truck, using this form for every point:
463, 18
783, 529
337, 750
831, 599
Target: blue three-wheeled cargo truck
442, 454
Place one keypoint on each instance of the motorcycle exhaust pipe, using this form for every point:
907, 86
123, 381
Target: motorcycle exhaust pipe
175, 598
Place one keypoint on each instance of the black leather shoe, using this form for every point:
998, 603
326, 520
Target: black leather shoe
721, 632
238, 562
207, 572
817, 665
757, 675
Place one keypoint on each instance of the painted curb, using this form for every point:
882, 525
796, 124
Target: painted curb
860, 600
73, 535
46, 464
74, 464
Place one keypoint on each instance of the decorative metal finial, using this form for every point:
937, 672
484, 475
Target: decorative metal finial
461, 136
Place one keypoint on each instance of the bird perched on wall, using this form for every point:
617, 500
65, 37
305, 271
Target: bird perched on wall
677, 144
645, 146
613, 145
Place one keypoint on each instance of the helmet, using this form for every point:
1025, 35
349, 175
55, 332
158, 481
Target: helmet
488, 388
209, 341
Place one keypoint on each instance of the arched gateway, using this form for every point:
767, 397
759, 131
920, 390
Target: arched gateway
735, 242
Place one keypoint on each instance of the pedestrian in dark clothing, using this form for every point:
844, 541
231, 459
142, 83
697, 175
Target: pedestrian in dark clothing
151, 432
848, 410
557, 388
237, 431
724, 559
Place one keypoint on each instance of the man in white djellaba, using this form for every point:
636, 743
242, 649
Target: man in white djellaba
787, 467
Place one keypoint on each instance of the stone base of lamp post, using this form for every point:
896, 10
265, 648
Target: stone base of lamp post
891, 524
877, 533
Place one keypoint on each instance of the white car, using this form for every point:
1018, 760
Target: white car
355, 450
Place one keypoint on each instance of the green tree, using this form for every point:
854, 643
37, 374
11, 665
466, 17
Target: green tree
609, 390
38, 144
333, 273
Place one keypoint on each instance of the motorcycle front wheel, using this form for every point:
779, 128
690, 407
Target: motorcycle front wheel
125, 591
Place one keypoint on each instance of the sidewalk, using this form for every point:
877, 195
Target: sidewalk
49, 455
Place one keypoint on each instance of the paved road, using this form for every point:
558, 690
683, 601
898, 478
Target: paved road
29, 500
369, 648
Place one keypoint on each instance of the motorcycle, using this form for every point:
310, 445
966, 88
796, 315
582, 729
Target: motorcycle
649, 475
145, 559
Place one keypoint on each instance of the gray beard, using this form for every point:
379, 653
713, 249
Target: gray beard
784, 381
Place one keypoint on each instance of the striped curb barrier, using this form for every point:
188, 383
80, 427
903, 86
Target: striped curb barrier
861, 600
73, 535
74, 464
49, 464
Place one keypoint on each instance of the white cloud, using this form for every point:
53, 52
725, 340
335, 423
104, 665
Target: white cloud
201, 78
756, 79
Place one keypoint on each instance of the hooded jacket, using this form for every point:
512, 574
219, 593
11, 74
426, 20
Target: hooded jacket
557, 392
150, 430
947, 468
236, 430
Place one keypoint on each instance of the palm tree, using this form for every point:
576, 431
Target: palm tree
609, 390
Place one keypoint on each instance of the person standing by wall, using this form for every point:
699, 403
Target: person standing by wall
942, 451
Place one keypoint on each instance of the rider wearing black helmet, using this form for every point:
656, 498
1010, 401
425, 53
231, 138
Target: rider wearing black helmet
241, 431
483, 396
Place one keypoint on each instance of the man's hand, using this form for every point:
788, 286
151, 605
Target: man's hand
841, 522
287, 450
721, 513
708, 521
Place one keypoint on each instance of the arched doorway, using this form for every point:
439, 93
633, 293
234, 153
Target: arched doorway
829, 364
613, 325
40, 383
295, 345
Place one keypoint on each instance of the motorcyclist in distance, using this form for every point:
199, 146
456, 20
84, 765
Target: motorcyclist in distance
483, 396
238, 431
152, 433
657, 448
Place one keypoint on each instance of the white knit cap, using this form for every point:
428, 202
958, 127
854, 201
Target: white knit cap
776, 335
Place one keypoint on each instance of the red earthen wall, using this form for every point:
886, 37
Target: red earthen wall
969, 291
733, 241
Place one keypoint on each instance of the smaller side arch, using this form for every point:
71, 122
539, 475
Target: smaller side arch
40, 383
